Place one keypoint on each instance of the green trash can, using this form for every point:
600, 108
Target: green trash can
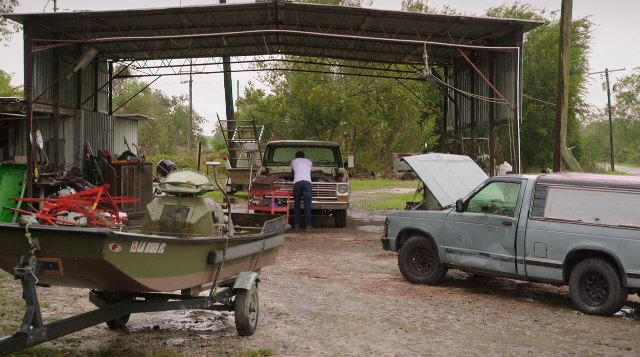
11, 181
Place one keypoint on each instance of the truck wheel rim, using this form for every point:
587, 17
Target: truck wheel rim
594, 289
421, 261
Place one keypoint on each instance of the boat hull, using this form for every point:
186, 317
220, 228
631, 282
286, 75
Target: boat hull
103, 259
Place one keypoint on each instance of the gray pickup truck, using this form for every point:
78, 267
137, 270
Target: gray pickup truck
582, 230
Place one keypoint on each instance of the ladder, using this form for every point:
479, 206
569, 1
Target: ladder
242, 141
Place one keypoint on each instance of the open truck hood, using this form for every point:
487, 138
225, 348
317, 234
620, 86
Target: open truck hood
448, 177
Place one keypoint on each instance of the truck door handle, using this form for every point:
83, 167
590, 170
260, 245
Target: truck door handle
507, 223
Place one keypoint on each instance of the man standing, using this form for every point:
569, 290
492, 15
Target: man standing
301, 168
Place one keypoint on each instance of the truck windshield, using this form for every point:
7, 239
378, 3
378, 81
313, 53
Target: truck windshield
320, 156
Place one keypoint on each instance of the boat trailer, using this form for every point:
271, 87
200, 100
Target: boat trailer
114, 308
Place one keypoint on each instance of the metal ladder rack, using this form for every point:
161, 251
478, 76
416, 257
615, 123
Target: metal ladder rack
243, 141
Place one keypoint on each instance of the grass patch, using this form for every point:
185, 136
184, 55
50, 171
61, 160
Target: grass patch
262, 352
218, 196
70, 351
391, 202
11, 308
616, 172
368, 184
40, 351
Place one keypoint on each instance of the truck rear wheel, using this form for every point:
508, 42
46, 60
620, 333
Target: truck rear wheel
596, 289
419, 262
340, 217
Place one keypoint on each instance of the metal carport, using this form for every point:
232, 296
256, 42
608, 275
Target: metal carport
69, 57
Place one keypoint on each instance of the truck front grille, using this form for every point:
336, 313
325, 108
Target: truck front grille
320, 190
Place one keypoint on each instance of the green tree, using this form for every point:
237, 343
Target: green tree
6, 89
167, 132
369, 117
7, 28
627, 96
540, 67
626, 125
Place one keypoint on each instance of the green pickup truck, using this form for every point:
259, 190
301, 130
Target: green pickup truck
582, 230
330, 186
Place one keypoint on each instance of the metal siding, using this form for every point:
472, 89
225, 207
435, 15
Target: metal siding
482, 89
68, 88
125, 128
103, 87
505, 82
43, 70
88, 83
67, 135
506, 67
98, 131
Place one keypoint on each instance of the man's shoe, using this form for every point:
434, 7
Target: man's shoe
308, 228
295, 227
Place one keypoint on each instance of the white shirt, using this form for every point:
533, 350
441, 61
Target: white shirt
301, 169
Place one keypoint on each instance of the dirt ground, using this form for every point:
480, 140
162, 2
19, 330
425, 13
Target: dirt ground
335, 292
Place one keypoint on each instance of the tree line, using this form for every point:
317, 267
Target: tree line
374, 117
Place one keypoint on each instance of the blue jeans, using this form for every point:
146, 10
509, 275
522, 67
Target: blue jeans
302, 191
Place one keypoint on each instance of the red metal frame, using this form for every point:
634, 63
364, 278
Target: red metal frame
96, 204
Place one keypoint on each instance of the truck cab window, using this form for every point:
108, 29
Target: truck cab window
497, 198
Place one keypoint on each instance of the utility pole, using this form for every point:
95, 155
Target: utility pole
562, 108
55, 5
606, 76
228, 98
190, 140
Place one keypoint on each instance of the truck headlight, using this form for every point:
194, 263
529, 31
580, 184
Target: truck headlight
343, 189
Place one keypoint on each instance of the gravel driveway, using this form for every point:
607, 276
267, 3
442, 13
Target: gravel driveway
335, 292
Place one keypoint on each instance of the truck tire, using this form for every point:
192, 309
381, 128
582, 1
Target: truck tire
596, 289
419, 262
340, 218
408, 177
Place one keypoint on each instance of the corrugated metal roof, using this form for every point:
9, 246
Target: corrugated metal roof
448, 177
272, 27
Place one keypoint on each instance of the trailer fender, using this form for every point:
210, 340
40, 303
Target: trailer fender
246, 280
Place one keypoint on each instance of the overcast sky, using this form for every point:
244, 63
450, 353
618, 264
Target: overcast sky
614, 44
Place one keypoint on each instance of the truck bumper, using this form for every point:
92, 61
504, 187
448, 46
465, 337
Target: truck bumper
318, 205
386, 244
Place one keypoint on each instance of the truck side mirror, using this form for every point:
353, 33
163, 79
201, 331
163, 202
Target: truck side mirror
459, 205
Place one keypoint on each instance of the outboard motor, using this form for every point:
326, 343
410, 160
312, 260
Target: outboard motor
182, 211
164, 167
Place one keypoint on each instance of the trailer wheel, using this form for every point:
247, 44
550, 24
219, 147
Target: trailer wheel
419, 262
118, 323
340, 218
246, 311
596, 289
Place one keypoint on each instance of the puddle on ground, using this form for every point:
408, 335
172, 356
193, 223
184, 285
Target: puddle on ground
184, 320
629, 312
